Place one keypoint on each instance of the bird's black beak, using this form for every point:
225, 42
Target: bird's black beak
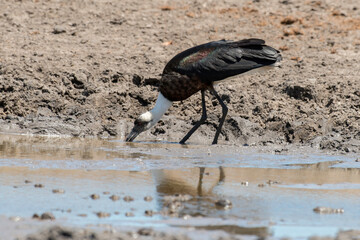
137, 129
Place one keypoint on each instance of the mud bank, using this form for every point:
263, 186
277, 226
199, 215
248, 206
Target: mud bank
89, 68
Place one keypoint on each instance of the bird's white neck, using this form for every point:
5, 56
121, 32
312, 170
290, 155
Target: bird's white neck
161, 106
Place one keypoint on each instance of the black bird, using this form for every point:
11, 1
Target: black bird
197, 69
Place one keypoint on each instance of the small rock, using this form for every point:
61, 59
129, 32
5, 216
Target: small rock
149, 213
39, 185
58, 30
246, 183
35, 216
118, 21
58, 191
82, 215
288, 20
148, 198
261, 185
47, 216
128, 199
129, 214
223, 203
272, 182
327, 210
102, 214
27, 181
106, 193
94, 196
145, 232
114, 197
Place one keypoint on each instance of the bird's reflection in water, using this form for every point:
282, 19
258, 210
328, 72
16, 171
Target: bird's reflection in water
191, 190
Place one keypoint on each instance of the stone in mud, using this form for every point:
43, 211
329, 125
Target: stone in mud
223, 203
149, 213
60, 191
145, 232
114, 197
148, 199
129, 214
94, 196
328, 210
47, 216
128, 199
102, 214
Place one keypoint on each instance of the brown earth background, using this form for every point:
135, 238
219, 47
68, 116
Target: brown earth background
89, 68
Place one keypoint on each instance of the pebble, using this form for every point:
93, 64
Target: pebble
223, 203
129, 214
94, 196
58, 30
148, 198
128, 199
47, 216
327, 210
114, 197
145, 232
102, 214
149, 213
245, 183
58, 191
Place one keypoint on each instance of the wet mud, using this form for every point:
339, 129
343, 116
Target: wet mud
89, 68
286, 165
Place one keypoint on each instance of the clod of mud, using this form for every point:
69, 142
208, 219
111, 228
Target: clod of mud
44, 216
128, 199
148, 198
328, 210
102, 214
272, 182
114, 197
60, 191
145, 232
149, 213
94, 196
223, 204
129, 214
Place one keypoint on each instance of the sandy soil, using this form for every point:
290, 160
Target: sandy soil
88, 68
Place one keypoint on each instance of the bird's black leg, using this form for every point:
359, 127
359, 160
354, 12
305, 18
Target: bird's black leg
201, 121
224, 112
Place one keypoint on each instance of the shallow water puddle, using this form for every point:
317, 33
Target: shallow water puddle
271, 195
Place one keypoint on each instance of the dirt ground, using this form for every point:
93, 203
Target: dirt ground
88, 68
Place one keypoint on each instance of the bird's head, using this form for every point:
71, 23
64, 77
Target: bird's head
144, 122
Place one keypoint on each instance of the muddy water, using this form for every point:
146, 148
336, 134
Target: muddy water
271, 194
